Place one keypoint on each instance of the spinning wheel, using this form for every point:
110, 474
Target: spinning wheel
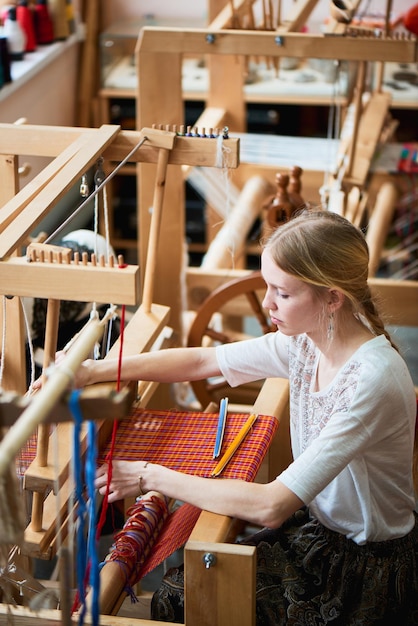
220, 319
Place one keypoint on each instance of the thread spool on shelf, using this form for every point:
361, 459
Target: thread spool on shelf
16, 38
44, 28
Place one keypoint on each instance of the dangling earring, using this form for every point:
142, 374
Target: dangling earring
330, 329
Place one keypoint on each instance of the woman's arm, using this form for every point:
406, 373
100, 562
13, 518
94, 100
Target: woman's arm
266, 505
164, 366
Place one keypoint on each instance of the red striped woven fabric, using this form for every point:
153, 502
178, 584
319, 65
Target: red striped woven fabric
184, 441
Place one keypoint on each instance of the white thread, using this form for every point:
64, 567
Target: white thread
209, 182
219, 151
96, 191
106, 221
30, 347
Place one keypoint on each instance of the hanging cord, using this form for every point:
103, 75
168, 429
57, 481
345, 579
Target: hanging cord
99, 177
81, 552
30, 347
97, 190
109, 457
222, 153
86, 570
87, 562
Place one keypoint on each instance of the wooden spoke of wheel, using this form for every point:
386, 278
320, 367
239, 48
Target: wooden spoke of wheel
206, 390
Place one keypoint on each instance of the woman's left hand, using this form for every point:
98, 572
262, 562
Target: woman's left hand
125, 480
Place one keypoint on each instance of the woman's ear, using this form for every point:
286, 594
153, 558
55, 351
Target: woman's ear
335, 300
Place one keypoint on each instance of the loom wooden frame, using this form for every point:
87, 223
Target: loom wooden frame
159, 55
164, 67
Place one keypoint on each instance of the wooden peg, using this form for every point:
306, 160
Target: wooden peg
159, 138
38, 251
295, 188
280, 209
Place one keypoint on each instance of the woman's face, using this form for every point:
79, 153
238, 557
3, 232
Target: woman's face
293, 305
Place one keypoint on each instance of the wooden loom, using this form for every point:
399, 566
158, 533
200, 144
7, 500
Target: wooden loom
169, 241
55, 278
212, 530
159, 55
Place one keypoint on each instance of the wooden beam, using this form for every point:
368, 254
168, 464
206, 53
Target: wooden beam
51, 141
81, 283
100, 400
18, 219
397, 298
265, 43
368, 135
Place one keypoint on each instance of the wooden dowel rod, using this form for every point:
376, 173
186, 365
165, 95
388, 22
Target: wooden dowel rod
42, 443
50, 348
358, 106
380, 66
156, 217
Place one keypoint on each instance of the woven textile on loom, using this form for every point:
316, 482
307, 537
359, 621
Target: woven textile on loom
184, 441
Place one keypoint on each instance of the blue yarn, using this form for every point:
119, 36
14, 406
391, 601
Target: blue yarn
92, 535
86, 551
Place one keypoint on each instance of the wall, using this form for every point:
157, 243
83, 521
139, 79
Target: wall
47, 96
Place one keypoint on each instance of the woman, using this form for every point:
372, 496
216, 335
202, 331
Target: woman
340, 538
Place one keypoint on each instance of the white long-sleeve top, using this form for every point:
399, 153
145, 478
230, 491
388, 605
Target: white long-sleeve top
352, 442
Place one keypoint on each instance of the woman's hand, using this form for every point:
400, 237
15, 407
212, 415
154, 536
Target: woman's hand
59, 357
125, 480
80, 379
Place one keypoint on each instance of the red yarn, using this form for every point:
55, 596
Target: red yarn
109, 456
410, 19
25, 18
44, 28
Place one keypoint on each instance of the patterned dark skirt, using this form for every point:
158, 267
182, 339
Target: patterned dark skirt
308, 575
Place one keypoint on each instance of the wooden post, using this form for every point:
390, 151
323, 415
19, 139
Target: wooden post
157, 211
219, 584
13, 351
361, 75
50, 348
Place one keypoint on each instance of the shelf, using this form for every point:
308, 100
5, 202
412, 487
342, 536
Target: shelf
305, 84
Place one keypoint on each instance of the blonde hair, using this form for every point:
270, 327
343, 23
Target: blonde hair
327, 251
